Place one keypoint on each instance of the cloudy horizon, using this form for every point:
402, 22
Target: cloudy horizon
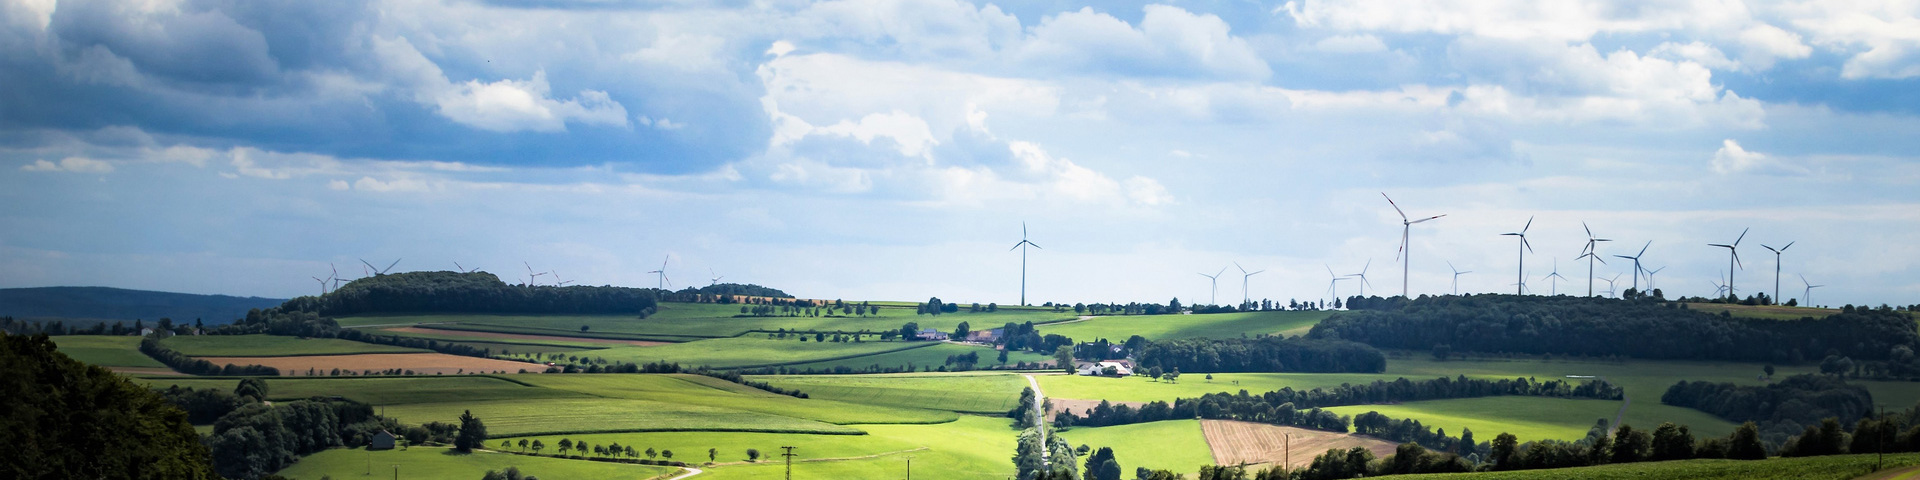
891, 150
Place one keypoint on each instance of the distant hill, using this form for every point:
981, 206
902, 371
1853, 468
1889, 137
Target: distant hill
111, 304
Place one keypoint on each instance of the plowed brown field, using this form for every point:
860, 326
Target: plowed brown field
1248, 443
419, 363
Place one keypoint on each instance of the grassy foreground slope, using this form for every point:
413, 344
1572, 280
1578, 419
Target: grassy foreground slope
425, 463
1837, 467
1176, 445
973, 448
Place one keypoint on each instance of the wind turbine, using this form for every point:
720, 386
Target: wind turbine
1522, 282
1776, 268
1591, 252
1363, 277
1332, 285
556, 279
1718, 289
1650, 285
531, 277
323, 284
335, 277
1214, 299
663, 272
1637, 271
1554, 290
1456, 277
1733, 251
378, 271
1244, 298
462, 268
1807, 297
716, 277
1022, 247
1406, 229
1610, 286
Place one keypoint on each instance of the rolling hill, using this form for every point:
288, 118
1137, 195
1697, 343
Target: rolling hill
116, 304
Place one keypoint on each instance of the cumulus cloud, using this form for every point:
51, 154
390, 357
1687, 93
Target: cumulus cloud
1882, 41
504, 105
1169, 41
1732, 158
69, 164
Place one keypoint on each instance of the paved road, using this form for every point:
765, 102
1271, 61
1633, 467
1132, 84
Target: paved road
1039, 410
690, 472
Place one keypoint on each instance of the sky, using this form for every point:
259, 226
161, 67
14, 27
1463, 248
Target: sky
869, 149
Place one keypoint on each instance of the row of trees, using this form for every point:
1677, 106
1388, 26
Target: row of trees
194, 366
1287, 406
59, 327
1264, 354
567, 448
1599, 327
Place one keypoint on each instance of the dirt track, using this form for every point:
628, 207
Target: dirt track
419, 363
484, 336
1246, 443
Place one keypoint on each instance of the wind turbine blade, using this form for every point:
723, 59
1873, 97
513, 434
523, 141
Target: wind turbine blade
1255, 273
1429, 218
1523, 230
1396, 207
1329, 271
663, 261
1023, 230
390, 265
1523, 243
1736, 260
1770, 249
1224, 270
1035, 245
364, 262
1016, 246
1589, 229
1789, 245
1719, 245
1243, 270
1743, 236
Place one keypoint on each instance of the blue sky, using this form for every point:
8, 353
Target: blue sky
891, 149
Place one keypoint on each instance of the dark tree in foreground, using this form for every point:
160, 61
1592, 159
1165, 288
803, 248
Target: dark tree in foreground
65, 419
473, 434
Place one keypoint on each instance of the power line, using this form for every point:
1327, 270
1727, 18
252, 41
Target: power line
789, 456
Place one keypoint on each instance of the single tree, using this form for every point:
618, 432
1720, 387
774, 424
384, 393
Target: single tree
472, 433
668, 454
651, 453
753, 454
712, 454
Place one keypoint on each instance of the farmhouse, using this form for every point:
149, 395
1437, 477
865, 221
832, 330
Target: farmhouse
985, 336
1120, 367
381, 441
931, 334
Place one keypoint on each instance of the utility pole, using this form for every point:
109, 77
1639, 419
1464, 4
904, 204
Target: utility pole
789, 456
1289, 450
909, 468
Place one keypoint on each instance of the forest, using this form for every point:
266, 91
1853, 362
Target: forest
1264, 354
478, 292
1600, 327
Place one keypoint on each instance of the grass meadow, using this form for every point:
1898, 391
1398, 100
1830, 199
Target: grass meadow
1172, 327
105, 351
385, 390
1530, 418
272, 346
427, 463
973, 448
1837, 467
752, 351
1176, 445
932, 357
688, 321
508, 418
983, 392
712, 392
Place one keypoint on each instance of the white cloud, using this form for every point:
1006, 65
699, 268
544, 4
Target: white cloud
393, 185
504, 105
909, 133
662, 123
1764, 43
1147, 191
338, 184
1731, 158
1169, 41
69, 164
1883, 38
1350, 44
1696, 52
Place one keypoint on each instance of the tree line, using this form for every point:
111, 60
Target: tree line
1287, 406
1781, 408
193, 366
1264, 354
477, 292
1605, 327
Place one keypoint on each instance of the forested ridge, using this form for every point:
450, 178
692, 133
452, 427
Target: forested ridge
1599, 327
1264, 354
478, 292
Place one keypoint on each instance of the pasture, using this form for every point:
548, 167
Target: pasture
973, 448
1836, 467
1176, 445
752, 351
688, 321
511, 338
418, 363
381, 391
1172, 327
922, 359
271, 346
106, 351
509, 418
1530, 418
713, 392
969, 392
431, 463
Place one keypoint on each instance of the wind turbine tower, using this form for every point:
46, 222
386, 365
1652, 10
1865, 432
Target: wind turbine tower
1521, 284
1214, 298
1776, 268
1406, 229
1591, 253
1637, 271
1733, 252
532, 277
1333, 285
1555, 278
1456, 277
1022, 247
1244, 298
662, 272
1807, 297
1363, 277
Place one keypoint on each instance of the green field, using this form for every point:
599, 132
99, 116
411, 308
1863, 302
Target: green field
426, 463
691, 447
712, 392
1530, 418
923, 359
515, 345
1765, 312
973, 448
106, 351
506, 418
384, 390
272, 346
695, 320
751, 351
1837, 467
1175, 445
982, 392
1169, 327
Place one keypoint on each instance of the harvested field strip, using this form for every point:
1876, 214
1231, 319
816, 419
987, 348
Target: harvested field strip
1249, 443
419, 363
436, 332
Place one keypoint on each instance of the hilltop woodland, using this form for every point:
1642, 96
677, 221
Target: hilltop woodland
66, 419
1599, 327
